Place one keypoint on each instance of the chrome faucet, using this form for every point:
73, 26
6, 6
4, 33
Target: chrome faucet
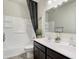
58, 30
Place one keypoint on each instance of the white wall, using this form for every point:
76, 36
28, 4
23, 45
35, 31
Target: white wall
64, 16
17, 8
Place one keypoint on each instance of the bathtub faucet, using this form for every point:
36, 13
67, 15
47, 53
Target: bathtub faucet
3, 37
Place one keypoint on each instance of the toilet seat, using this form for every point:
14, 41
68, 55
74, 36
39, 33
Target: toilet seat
28, 50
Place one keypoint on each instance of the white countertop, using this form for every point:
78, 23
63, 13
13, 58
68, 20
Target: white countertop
66, 50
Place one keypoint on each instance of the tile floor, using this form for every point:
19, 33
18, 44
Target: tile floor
22, 56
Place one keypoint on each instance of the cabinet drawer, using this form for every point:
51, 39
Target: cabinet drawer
41, 47
55, 55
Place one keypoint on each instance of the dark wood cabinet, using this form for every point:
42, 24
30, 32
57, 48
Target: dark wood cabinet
43, 52
38, 54
49, 57
55, 55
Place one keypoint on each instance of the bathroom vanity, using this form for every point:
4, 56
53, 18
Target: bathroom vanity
43, 49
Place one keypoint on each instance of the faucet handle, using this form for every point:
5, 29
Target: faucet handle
3, 37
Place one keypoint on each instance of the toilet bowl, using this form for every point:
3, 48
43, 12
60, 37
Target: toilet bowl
29, 51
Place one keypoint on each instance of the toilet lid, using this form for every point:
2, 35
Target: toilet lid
28, 47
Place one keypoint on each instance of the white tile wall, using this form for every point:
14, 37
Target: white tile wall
18, 32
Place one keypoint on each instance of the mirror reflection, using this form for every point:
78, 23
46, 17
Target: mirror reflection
62, 18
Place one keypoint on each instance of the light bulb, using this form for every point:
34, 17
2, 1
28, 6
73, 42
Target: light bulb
60, 3
54, 0
65, 0
49, 1
55, 6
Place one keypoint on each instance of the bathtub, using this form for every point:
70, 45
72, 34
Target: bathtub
18, 35
11, 52
14, 45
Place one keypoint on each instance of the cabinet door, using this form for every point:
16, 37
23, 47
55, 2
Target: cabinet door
41, 54
49, 57
36, 53
55, 55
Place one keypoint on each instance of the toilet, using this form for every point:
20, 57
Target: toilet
29, 51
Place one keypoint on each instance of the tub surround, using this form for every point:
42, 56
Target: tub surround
64, 49
18, 35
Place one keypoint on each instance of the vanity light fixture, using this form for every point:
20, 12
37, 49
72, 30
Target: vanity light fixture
49, 1
55, 6
65, 0
54, 0
60, 2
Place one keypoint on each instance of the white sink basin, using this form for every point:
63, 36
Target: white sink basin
51, 41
